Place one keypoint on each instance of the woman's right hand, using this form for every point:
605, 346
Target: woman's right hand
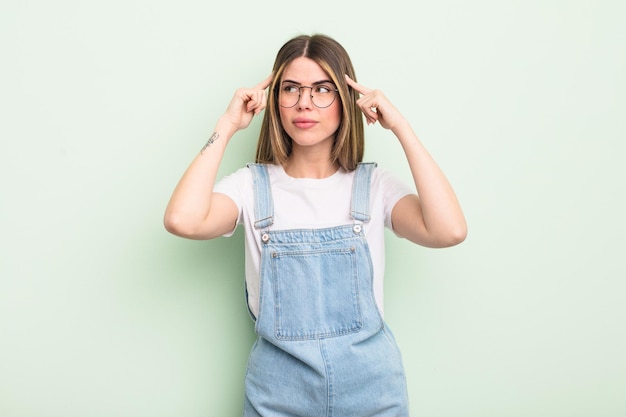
247, 103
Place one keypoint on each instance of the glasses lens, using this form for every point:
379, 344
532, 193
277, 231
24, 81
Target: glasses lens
323, 95
289, 95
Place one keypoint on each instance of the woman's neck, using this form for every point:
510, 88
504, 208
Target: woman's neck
309, 167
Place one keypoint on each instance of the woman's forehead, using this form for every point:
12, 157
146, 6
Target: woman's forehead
305, 70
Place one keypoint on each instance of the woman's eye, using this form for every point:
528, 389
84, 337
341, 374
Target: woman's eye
290, 89
323, 89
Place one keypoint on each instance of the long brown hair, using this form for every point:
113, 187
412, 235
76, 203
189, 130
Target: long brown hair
274, 146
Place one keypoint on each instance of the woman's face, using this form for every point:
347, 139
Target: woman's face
306, 122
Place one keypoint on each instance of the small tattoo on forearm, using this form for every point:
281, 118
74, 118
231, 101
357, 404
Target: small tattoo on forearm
209, 142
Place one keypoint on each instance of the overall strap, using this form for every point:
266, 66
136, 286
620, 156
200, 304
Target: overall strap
263, 202
359, 209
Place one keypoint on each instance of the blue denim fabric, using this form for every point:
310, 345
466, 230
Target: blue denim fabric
323, 348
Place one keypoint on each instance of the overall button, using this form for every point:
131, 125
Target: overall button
265, 237
356, 229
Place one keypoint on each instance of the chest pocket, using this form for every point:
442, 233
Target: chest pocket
316, 293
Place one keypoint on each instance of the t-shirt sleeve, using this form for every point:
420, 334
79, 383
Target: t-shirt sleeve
393, 189
234, 186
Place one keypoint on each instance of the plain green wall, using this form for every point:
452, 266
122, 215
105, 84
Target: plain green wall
103, 105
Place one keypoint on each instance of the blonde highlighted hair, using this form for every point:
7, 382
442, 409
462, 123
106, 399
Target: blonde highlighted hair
274, 146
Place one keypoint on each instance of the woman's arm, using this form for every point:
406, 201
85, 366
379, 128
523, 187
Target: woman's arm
432, 217
194, 211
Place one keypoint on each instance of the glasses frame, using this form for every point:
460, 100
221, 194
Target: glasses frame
335, 90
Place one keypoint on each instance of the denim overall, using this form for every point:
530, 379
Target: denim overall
322, 348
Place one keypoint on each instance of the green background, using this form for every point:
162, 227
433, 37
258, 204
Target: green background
103, 105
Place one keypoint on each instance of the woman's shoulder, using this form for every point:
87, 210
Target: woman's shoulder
238, 179
381, 175
389, 183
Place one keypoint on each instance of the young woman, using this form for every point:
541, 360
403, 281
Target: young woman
314, 217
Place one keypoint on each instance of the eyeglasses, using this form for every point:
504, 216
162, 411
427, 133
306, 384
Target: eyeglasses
322, 95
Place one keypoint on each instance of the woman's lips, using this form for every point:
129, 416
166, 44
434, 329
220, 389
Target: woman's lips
304, 123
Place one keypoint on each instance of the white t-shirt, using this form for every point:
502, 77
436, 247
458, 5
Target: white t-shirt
305, 203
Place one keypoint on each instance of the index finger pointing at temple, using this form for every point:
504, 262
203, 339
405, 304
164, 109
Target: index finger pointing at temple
358, 87
266, 82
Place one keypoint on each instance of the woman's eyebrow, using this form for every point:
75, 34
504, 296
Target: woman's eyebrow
315, 83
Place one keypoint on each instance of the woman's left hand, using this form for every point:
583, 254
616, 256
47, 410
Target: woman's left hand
375, 106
